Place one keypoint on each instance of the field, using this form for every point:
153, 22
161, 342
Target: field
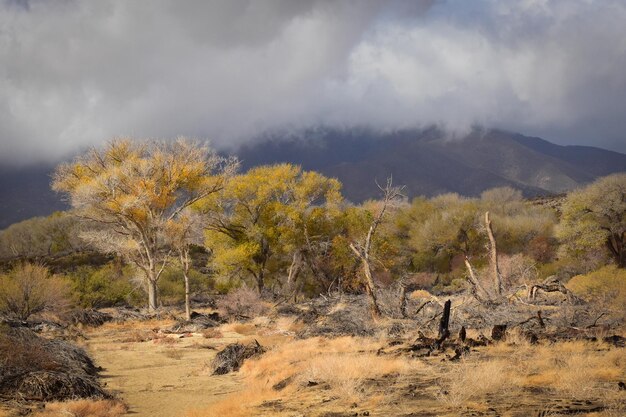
383, 372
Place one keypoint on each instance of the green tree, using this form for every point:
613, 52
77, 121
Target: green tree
132, 189
265, 216
594, 219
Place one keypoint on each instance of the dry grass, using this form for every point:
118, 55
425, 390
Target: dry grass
83, 408
212, 333
342, 365
469, 382
344, 368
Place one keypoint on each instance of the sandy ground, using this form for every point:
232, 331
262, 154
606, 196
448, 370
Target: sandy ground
156, 378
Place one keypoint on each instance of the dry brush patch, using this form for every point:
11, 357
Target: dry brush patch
300, 368
318, 373
83, 408
562, 373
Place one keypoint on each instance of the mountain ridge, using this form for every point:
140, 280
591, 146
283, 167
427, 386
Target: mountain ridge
426, 161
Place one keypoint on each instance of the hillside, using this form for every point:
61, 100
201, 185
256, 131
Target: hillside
426, 161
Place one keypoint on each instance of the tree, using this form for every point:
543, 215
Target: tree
594, 219
29, 289
362, 248
263, 217
181, 233
131, 189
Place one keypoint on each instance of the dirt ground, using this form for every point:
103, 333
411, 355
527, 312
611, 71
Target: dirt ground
347, 376
160, 377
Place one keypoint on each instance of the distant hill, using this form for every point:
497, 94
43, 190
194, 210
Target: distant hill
426, 161
429, 163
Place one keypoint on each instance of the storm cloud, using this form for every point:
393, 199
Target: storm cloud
73, 74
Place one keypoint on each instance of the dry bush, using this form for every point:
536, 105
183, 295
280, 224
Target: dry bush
470, 381
241, 303
83, 408
29, 289
343, 364
212, 334
517, 270
138, 336
34, 368
575, 369
162, 339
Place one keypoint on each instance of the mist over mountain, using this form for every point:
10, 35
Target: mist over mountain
428, 162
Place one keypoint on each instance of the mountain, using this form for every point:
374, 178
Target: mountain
25, 192
427, 162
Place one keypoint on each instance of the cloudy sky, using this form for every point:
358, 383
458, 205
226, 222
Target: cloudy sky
76, 73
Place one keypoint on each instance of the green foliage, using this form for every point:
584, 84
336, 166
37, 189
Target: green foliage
262, 217
172, 285
593, 223
109, 285
606, 286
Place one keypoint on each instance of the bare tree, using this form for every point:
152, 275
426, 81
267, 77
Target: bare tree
479, 291
362, 249
493, 258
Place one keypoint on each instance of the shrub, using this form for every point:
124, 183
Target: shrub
172, 285
29, 289
106, 286
243, 302
606, 286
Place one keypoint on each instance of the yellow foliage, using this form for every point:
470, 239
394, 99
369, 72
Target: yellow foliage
606, 285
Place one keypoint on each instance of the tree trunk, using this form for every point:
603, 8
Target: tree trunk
479, 291
294, 271
152, 294
260, 284
444, 332
493, 258
184, 263
370, 288
187, 297
403, 300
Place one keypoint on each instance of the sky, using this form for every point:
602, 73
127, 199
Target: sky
74, 74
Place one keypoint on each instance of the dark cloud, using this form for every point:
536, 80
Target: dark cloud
73, 74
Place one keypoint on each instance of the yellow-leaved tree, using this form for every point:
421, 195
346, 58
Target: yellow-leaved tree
131, 190
262, 218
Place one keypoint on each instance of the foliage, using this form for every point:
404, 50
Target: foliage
132, 189
594, 220
172, 288
30, 289
262, 217
41, 236
105, 286
606, 286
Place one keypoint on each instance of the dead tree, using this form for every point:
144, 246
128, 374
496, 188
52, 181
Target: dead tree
362, 249
479, 291
403, 299
552, 284
493, 258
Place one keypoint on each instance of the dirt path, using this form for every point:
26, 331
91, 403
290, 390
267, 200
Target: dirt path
160, 378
